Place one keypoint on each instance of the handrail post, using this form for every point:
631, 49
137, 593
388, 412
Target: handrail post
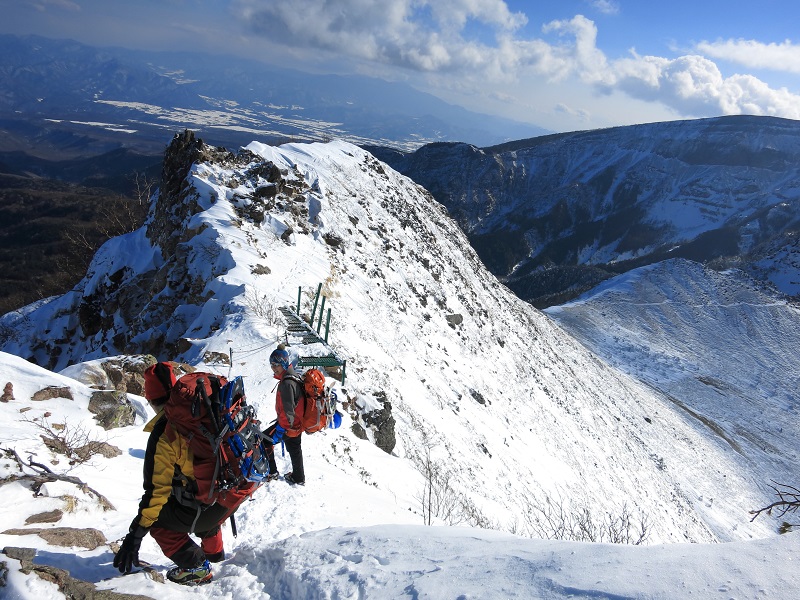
299, 290
321, 310
327, 325
314, 311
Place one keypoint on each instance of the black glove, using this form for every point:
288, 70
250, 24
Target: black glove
128, 555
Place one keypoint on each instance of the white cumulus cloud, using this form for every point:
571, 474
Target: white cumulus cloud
424, 35
755, 55
694, 85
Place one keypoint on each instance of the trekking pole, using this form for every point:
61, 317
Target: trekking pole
201, 389
233, 526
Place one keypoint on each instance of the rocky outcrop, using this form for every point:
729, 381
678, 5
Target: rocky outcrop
68, 585
123, 374
112, 409
67, 537
116, 377
119, 308
51, 392
176, 195
50, 516
380, 422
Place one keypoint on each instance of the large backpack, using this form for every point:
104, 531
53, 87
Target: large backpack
318, 405
223, 433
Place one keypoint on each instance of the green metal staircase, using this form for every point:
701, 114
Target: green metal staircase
297, 327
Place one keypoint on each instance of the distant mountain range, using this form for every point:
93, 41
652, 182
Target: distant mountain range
554, 216
79, 125
68, 99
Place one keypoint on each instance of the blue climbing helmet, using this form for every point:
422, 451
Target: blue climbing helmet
280, 357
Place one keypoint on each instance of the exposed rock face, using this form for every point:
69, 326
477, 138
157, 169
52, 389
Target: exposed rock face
454, 320
65, 536
116, 377
381, 422
118, 310
126, 373
119, 373
216, 358
177, 198
68, 585
182, 152
51, 516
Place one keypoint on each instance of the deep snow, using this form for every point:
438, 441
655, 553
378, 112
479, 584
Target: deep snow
355, 540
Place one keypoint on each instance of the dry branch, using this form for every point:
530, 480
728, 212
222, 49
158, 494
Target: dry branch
44, 475
788, 501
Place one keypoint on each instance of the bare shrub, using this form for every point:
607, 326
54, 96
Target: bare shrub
70, 503
11, 329
43, 474
439, 499
208, 252
554, 520
73, 441
119, 215
124, 215
262, 306
330, 284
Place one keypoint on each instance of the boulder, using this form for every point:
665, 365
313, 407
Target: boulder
112, 409
52, 391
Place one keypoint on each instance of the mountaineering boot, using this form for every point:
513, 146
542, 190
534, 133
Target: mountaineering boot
272, 476
196, 576
289, 478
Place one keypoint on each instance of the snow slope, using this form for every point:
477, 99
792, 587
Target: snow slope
357, 541
719, 345
511, 411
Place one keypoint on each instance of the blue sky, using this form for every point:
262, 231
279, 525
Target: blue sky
559, 64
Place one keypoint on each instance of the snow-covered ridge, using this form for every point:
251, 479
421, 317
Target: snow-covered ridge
506, 406
514, 408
